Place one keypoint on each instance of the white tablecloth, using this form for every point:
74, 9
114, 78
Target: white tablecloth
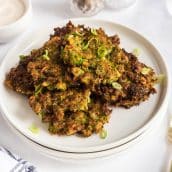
149, 18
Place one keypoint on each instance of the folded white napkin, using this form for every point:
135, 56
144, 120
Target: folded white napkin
10, 162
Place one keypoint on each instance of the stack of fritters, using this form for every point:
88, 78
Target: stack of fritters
76, 75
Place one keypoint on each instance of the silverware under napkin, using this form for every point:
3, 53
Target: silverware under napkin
13, 163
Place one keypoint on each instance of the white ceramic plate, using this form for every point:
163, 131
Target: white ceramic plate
124, 124
86, 157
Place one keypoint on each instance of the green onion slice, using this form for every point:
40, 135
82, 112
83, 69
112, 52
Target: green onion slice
76, 33
145, 70
94, 32
38, 89
116, 85
103, 134
45, 56
102, 52
136, 51
34, 129
85, 44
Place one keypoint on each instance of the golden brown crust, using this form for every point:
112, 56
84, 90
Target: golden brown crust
78, 72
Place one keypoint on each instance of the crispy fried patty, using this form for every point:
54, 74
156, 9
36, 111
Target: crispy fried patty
73, 78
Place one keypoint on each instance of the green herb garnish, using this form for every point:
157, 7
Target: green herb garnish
34, 129
136, 51
85, 45
94, 32
41, 114
75, 59
103, 134
76, 33
102, 52
38, 89
45, 56
145, 70
116, 85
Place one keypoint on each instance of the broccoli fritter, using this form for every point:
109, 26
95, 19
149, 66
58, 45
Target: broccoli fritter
76, 75
19, 79
69, 112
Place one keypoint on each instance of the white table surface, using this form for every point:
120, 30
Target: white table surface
151, 19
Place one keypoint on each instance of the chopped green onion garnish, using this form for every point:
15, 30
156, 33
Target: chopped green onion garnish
136, 51
22, 57
145, 70
85, 45
94, 32
45, 56
38, 89
103, 134
34, 129
116, 85
75, 58
77, 33
41, 114
102, 52
160, 78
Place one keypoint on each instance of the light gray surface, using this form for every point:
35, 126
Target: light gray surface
151, 19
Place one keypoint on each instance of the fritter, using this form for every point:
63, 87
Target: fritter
70, 112
76, 75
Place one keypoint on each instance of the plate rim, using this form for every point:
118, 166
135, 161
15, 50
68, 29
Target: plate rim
70, 156
133, 134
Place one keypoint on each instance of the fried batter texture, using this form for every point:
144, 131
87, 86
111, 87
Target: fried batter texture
74, 78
